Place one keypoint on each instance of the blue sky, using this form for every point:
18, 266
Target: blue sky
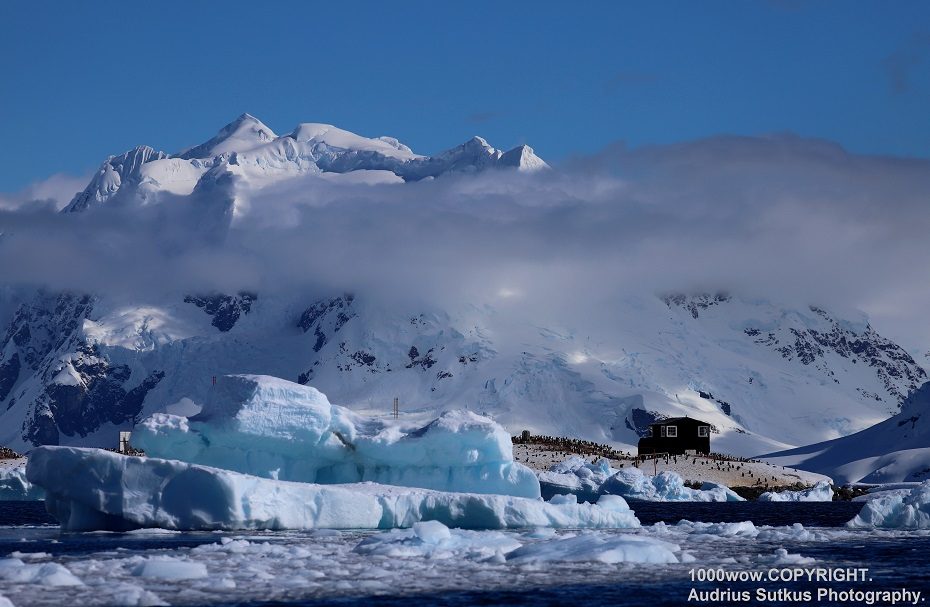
80, 81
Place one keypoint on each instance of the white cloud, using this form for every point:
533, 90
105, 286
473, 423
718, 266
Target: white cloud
790, 219
55, 191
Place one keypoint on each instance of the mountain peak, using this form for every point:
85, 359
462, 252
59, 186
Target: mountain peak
244, 133
524, 158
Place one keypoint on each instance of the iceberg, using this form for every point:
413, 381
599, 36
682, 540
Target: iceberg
91, 489
575, 475
589, 480
272, 428
15, 487
896, 510
632, 483
821, 492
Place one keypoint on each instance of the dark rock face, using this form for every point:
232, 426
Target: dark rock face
639, 420
9, 373
326, 317
313, 315
891, 363
225, 309
695, 304
43, 326
898, 372
73, 388
97, 396
724, 405
348, 351
416, 360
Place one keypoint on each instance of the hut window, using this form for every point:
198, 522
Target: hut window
703, 431
671, 431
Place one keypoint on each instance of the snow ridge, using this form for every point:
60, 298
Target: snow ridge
248, 148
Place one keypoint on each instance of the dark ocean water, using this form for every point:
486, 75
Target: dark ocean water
894, 561
811, 514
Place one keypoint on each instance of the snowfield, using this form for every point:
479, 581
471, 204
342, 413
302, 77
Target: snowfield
895, 450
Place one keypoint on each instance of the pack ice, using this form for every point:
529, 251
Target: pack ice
273, 428
897, 510
577, 476
92, 489
821, 492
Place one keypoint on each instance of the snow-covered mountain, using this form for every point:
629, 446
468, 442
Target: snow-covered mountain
76, 368
895, 450
247, 148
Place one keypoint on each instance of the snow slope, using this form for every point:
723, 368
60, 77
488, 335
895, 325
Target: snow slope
895, 450
76, 369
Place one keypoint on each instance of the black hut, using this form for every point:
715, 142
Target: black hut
675, 436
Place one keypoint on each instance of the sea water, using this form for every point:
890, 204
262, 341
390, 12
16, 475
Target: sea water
324, 568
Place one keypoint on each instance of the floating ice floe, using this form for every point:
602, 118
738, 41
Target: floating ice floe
597, 547
273, 428
15, 487
46, 574
632, 483
436, 541
168, 568
432, 539
91, 489
897, 510
821, 492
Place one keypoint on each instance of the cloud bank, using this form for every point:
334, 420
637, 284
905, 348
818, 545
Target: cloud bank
789, 219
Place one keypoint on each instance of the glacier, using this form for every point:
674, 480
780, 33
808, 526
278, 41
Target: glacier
821, 492
273, 428
93, 489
